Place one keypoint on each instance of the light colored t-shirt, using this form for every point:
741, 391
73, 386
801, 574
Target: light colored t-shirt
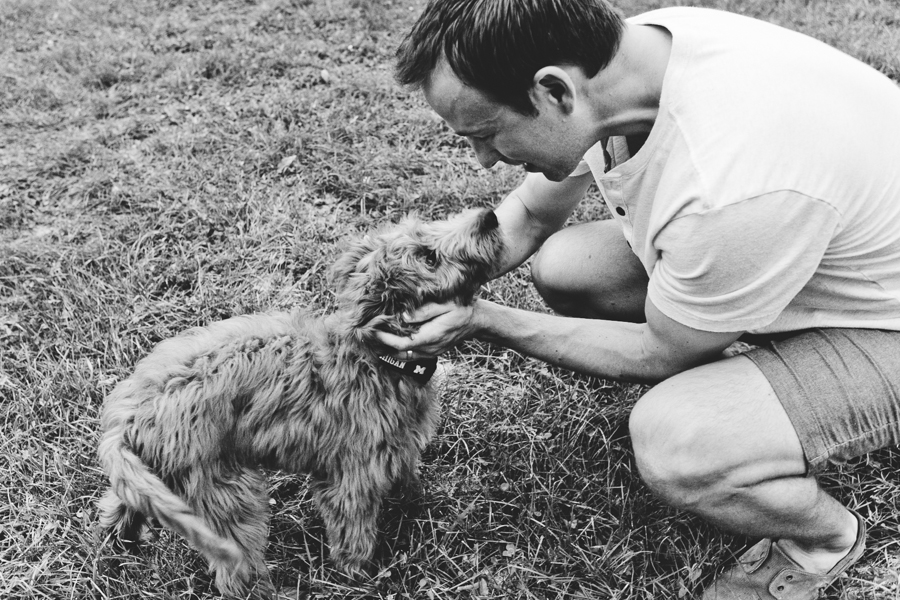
767, 195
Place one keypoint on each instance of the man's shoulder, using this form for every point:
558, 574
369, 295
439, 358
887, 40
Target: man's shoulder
661, 16
714, 27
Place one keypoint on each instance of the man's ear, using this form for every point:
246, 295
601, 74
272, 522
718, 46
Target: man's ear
552, 86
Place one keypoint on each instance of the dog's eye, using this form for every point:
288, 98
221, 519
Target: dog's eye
430, 258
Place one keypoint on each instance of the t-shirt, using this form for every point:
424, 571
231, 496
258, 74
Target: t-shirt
767, 195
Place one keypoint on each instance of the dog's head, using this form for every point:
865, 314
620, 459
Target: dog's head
397, 270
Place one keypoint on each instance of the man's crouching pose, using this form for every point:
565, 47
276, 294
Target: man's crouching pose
752, 177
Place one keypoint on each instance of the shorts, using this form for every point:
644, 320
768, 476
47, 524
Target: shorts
840, 388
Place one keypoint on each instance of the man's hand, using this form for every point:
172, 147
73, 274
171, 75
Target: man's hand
441, 327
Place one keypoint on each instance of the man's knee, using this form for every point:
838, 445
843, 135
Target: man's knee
552, 276
671, 448
588, 271
708, 436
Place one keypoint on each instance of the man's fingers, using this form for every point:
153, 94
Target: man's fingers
394, 341
435, 333
428, 312
403, 348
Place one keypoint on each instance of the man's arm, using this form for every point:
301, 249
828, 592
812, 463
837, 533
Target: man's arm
639, 352
534, 211
647, 352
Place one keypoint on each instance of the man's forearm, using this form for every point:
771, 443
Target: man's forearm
523, 234
534, 211
608, 349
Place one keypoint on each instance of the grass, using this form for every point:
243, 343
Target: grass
164, 164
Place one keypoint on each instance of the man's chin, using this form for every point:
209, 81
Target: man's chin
552, 175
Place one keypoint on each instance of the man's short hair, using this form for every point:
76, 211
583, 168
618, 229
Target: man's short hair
496, 46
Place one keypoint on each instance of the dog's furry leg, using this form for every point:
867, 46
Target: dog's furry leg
236, 504
350, 501
140, 492
144, 493
125, 523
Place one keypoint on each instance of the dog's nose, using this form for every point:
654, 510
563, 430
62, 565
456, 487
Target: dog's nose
489, 220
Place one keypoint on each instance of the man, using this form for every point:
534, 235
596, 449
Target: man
752, 176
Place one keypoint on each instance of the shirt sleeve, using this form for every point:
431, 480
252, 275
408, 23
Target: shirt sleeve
736, 268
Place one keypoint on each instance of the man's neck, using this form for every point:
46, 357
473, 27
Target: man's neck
625, 95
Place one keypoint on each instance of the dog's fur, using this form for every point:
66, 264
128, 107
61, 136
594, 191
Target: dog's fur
184, 437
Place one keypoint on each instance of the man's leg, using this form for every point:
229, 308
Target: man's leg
589, 271
716, 441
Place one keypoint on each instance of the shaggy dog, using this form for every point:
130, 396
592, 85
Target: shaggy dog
185, 436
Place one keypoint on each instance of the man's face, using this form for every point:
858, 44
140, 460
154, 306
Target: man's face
497, 133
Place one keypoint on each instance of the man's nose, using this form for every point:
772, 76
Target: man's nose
485, 153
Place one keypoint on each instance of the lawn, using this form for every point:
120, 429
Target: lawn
167, 163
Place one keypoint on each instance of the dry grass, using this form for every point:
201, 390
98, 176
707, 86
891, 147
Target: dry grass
164, 164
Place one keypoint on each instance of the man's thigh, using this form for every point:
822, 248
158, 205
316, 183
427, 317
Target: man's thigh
588, 270
785, 409
718, 423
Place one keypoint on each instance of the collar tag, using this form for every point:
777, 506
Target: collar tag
421, 370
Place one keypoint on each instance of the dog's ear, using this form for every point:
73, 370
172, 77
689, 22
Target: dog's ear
352, 262
370, 309
354, 277
364, 301
380, 298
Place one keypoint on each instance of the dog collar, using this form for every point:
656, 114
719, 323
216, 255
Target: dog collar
421, 370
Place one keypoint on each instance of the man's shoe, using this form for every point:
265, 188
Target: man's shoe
764, 572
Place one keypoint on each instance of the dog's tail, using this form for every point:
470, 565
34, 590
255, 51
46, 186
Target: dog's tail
141, 491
